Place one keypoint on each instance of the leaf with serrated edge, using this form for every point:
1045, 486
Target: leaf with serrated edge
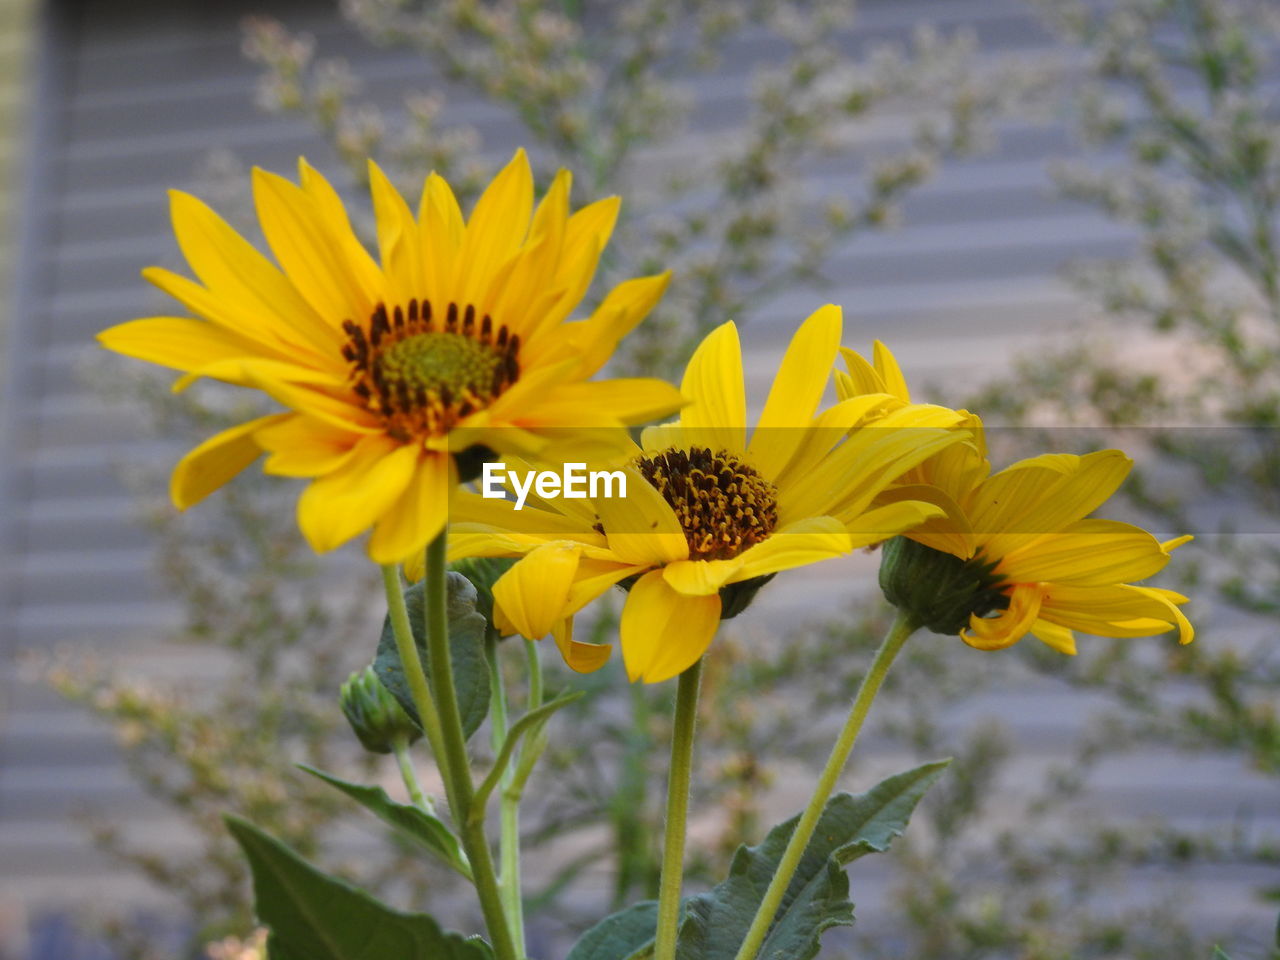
313, 916
625, 935
466, 652
818, 897
409, 821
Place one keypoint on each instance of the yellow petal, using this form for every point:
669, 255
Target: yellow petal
607, 402
442, 228
1171, 602
1090, 553
300, 397
662, 436
700, 578
496, 229
862, 377
302, 240
845, 482
948, 531
827, 431
216, 461
890, 373
663, 632
503, 515
1060, 638
333, 219
1009, 626
595, 576
342, 504
580, 657
796, 392
176, 342
247, 371
398, 237
717, 412
592, 341
960, 468
518, 300
237, 275
890, 520
795, 545
641, 527
303, 446
1120, 610
1042, 495
585, 237
418, 515
533, 594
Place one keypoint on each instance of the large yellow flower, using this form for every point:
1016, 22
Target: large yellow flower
710, 512
1016, 552
456, 340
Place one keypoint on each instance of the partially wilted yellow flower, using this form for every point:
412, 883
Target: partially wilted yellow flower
711, 513
1016, 552
457, 340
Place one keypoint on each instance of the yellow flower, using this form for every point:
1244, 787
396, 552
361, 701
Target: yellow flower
1016, 552
456, 340
710, 514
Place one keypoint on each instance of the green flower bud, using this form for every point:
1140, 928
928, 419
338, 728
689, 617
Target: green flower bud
375, 716
736, 597
939, 591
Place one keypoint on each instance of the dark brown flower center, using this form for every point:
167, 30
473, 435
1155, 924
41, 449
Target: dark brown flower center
723, 504
423, 373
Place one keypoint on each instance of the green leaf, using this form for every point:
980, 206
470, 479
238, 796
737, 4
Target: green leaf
1219, 955
530, 725
466, 651
411, 822
625, 935
483, 572
313, 916
818, 897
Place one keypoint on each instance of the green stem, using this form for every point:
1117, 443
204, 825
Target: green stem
515, 776
902, 628
629, 808
453, 760
419, 689
677, 812
509, 840
400, 746
533, 746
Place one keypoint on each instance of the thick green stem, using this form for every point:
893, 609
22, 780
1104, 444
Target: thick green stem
629, 809
400, 746
532, 749
509, 881
682, 736
902, 628
453, 759
419, 689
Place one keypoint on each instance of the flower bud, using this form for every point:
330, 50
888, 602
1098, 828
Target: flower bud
736, 597
938, 590
375, 716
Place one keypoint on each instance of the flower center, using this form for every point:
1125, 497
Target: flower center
423, 373
723, 504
